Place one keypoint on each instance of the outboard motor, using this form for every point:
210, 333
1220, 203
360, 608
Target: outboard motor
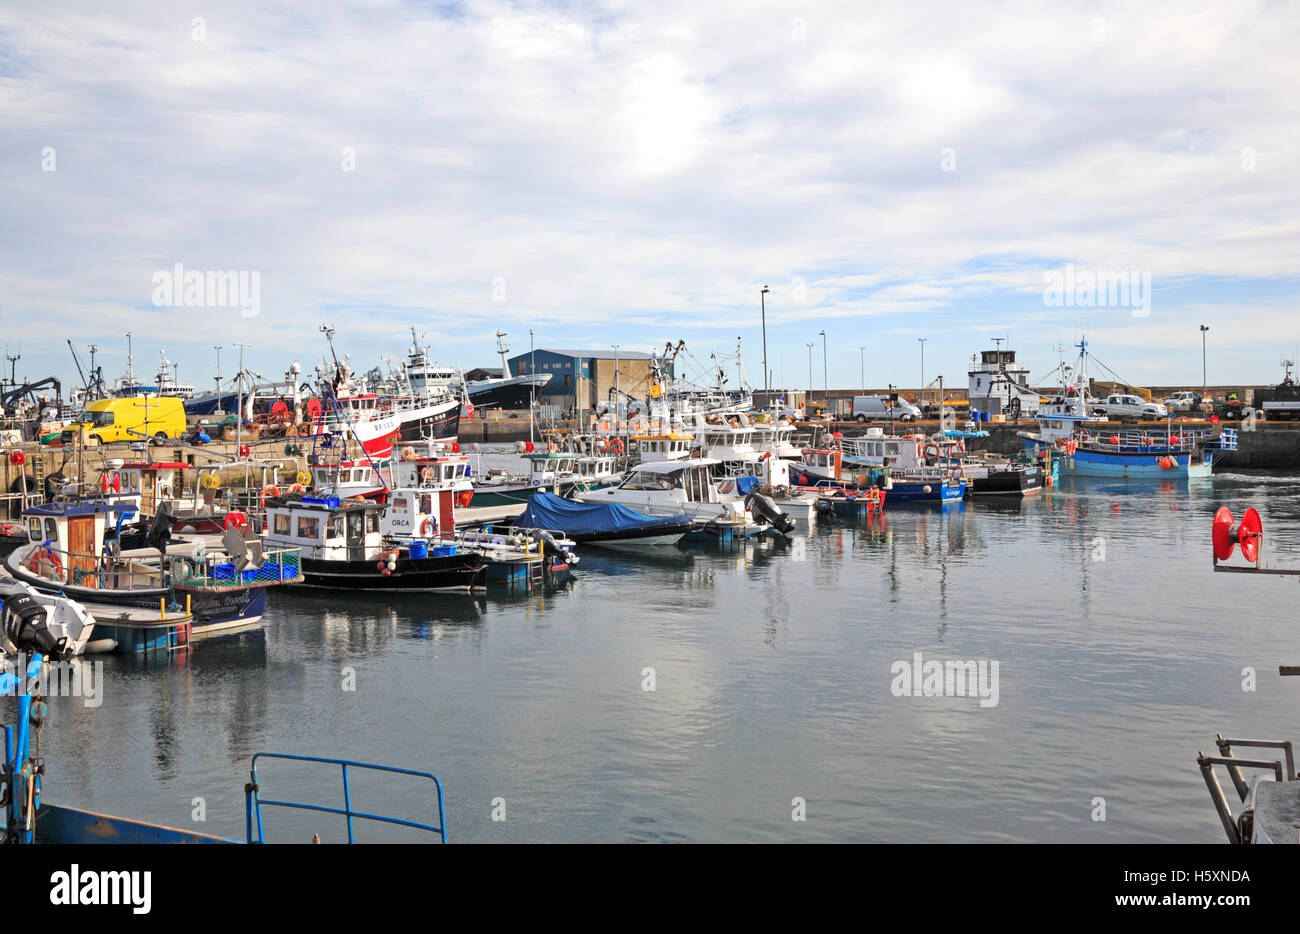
24, 623
550, 546
764, 507
160, 529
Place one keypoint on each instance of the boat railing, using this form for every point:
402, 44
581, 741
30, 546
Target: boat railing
218, 571
101, 572
254, 801
1137, 441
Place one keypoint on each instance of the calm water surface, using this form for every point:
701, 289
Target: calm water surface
1120, 655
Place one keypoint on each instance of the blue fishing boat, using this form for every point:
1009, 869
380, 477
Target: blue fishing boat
1087, 445
606, 524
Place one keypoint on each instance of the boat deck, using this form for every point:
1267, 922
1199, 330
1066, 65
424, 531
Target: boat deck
481, 515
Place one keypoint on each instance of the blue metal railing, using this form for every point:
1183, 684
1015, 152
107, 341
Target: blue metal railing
254, 801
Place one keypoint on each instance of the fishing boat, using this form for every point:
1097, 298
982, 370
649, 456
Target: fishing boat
918, 472
608, 524
1088, 447
57, 627
562, 473
419, 514
139, 596
343, 548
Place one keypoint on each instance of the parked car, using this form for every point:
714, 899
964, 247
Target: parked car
866, 408
1188, 401
1125, 406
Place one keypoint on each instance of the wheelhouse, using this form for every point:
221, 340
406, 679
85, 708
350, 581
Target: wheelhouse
326, 528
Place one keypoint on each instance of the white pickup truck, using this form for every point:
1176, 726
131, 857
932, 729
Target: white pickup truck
1124, 406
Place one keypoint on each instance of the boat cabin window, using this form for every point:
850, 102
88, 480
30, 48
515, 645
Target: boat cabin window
309, 527
646, 480
697, 483
426, 503
400, 504
281, 524
892, 448
372, 521
448, 473
51, 528
336, 527
34, 529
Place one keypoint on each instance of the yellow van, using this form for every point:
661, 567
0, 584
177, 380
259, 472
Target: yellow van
129, 418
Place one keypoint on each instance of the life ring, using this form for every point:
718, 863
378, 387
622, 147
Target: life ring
616, 446
428, 475
210, 481
455, 447
601, 445
932, 451
1084, 436
269, 490
428, 527
464, 498
297, 488
236, 520
17, 458
45, 554
961, 447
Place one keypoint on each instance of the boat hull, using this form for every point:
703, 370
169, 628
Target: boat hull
436, 422
1144, 465
452, 573
1022, 481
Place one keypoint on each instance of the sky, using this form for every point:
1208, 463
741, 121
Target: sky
624, 173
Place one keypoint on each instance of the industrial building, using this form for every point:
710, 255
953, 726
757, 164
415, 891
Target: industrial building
582, 378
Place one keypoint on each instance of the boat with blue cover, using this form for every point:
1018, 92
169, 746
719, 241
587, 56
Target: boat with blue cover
609, 524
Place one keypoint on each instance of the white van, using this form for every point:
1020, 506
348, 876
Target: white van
866, 408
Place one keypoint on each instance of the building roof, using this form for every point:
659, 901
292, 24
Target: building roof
591, 354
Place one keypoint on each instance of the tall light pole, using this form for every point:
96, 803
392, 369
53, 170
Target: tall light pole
862, 367
826, 377
762, 301
921, 394
1204, 328
532, 385
811, 345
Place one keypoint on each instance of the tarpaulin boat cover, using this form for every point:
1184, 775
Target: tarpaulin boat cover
548, 511
745, 484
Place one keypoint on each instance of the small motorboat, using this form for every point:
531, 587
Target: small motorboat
55, 626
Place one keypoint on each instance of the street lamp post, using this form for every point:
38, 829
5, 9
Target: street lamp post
762, 300
921, 394
617, 388
532, 385
826, 382
862, 367
808, 407
1204, 328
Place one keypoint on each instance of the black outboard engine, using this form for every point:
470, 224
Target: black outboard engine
550, 546
764, 508
160, 529
23, 621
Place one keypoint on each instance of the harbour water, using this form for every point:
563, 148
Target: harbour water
1120, 654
